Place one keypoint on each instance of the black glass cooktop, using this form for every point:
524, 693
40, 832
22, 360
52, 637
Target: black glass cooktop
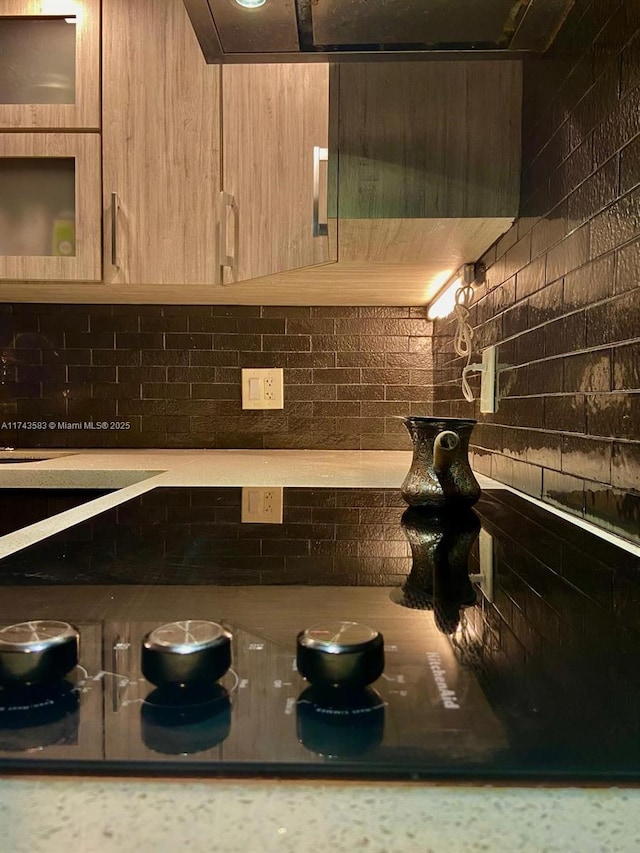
21, 507
511, 641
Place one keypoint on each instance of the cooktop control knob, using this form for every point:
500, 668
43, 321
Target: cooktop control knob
193, 652
340, 654
37, 652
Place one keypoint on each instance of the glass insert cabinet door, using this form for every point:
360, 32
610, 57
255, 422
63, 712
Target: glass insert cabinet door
50, 206
49, 64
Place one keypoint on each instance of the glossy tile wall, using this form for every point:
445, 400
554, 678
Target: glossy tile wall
169, 376
561, 620
562, 295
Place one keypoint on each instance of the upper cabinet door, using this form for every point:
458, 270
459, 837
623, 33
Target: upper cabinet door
429, 139
274, 214
50, 64
50, 206
161, 146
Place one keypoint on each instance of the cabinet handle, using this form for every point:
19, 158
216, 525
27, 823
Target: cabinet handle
114, 229
320, 229
226, 201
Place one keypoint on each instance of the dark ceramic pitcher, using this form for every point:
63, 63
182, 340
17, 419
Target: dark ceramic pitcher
440, 476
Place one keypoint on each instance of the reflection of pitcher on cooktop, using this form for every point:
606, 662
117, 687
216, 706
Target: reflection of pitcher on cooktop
440, 477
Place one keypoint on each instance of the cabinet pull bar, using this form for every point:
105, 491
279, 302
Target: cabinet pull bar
226, 200
320, 229
114, 229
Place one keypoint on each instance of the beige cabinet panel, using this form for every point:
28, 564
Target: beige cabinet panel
161, 150
273, 117
50, 64
50, 206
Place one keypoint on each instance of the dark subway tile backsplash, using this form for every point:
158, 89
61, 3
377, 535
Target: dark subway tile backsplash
170, 376
569, 381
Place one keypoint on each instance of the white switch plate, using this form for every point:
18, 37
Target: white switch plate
262, 505
488, 381
262, 388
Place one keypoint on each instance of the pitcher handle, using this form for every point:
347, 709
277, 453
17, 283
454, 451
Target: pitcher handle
444, 448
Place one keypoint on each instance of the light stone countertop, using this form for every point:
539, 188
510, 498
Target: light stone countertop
140, 815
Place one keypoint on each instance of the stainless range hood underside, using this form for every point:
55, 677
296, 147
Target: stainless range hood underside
351, 30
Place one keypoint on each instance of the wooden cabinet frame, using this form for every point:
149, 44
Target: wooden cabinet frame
85, 112
85, 149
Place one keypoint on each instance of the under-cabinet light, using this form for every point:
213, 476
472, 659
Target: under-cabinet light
445, 301
251, 4
70, 10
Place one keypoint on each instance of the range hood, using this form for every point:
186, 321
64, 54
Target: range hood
349, 30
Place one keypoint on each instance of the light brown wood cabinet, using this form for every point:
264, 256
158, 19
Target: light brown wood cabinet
208, 173
275, 120
161, 147
178, 132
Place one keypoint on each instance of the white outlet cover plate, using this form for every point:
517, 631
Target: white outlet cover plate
261, 505
488, 381
262, 388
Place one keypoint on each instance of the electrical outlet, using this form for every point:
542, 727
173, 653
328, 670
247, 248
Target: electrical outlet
262, 388
488, 402
261, 505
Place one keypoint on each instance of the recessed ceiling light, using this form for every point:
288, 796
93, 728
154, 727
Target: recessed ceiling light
251, 4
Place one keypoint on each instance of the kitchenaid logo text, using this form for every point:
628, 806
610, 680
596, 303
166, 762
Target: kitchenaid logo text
449, 698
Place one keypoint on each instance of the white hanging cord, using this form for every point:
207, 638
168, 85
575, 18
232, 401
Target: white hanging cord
463, 338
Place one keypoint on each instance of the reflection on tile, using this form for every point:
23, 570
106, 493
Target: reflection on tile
593, 194
630, 165
615, 225
590, 283
570, 254
564, 491
522, 412
530, 346
546, 377
513, 383
589, 371
615, 320
625, 466
565, 412
615, 509
584, 457
546, 304
626, 370
565, 335
628, 267
615, 415
544, 449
